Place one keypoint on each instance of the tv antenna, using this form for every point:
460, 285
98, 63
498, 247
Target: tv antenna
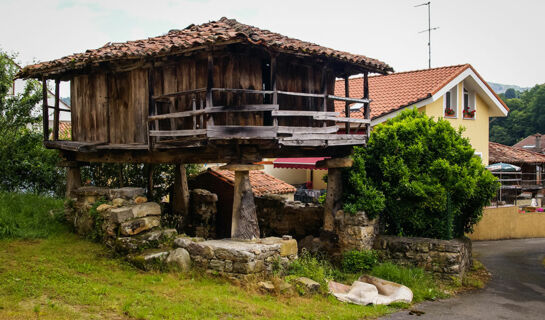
429, 30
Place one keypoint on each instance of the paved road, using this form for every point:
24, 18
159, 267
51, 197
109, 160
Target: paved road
516, 290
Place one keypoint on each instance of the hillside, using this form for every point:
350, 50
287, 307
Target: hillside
501, 88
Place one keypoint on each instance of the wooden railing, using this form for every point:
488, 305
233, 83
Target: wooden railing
286, 135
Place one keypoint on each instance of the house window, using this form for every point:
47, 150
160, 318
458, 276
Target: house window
469, 104
450, 105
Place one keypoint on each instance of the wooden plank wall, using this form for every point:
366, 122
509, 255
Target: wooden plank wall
297, 76
89, 98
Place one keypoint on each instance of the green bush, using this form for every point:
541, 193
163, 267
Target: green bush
312, 267
358, 261
421, 176
30, 216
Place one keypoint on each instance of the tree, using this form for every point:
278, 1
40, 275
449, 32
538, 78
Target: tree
510, 93
423, 174
25, 165
526, 116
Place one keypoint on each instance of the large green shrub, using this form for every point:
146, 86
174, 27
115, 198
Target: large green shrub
422, 176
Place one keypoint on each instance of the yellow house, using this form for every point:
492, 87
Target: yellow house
456, 93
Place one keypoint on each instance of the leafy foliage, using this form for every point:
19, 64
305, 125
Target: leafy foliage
25, 164
526, 116
423, 174
357, 261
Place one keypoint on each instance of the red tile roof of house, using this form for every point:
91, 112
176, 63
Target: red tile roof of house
514, 155
530, 141
397, 90
65, 131
198, 37
261, 182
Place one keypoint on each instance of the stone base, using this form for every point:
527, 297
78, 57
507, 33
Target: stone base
446, 258
239, 258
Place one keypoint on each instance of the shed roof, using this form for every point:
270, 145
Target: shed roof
195, 37
514, 155
530, 142
261, 182
402, 89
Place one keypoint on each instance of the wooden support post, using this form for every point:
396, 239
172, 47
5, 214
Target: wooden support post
244, 223
366, 108
73, 179
151, 109
347, 104
149, 171
324, 91
273, 86
45, 111
334, 192
180, 194
209, 86
56, 114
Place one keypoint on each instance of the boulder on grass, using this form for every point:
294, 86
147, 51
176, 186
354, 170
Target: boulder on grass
179, 259
308, 285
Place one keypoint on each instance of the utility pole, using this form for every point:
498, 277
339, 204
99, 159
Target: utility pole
429, 30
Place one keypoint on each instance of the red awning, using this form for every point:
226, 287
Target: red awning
298, 163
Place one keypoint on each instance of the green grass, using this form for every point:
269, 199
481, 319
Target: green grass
48, 273
29, 216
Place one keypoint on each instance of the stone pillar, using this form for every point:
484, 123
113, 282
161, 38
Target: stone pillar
244, 223
73, 177
334, 188
180, 193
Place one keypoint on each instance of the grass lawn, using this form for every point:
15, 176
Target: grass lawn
46, 272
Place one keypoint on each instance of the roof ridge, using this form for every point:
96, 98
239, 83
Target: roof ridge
421, 70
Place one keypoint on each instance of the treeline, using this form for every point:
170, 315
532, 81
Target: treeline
526, 116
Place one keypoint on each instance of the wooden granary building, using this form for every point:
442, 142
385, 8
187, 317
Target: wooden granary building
221, 92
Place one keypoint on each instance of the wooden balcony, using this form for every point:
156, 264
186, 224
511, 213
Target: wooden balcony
171, 128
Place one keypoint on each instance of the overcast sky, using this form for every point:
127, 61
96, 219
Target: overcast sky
502, 39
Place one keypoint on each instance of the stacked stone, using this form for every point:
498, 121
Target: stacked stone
239, 258
355, 231
446, 258
125, 221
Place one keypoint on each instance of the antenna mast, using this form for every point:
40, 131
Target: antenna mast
429, 30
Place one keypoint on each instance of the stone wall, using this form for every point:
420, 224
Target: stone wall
239, 258
355, 231
447, 258
202, 214
120, 218
278, 216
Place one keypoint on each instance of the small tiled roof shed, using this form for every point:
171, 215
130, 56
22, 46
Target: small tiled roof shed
221, 182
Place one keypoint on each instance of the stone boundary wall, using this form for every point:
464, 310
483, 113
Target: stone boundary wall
278, 216
447, 258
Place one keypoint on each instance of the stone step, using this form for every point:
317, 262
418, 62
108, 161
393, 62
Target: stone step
163, 260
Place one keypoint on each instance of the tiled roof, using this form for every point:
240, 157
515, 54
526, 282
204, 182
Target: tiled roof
397, 90
530, 141
65, 131
261, 182
197, 37
514, 155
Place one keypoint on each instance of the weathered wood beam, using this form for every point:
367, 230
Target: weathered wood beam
176, 133
295, 130
182, 114
152, 108
342, 119
209, 86
301, 94
335, 163
45, 111
242, 167
273, 86
332, 97
243, 108
347, 103
297, 113
366, 106
234, 90
179, 93
241, 132
56, 114
325, 136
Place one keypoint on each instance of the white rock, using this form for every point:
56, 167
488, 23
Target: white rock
180, 258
